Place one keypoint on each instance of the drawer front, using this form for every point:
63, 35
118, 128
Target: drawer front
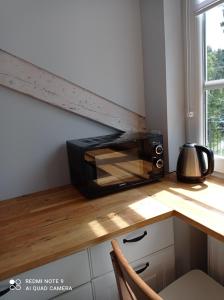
161, 268
157, 236
158, 275
105, 287
71, 271
83, 292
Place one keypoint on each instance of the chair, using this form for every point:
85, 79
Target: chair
195, 285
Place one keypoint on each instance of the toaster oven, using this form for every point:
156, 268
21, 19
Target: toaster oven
106, 164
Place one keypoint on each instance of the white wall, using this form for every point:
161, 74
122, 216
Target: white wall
216, 259
163, 72
190, 248
32, 143
93, 43
173, 25
97, 44
153, 38
164, 93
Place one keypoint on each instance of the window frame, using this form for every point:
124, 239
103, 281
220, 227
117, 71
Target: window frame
196, 82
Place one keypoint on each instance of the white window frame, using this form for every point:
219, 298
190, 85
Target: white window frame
195, 84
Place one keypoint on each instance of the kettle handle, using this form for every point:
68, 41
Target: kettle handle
210, 157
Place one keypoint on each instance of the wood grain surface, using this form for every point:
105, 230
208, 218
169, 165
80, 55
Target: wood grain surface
26, 78
201, 205
45, 226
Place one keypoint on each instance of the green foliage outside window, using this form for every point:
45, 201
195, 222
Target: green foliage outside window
215, 101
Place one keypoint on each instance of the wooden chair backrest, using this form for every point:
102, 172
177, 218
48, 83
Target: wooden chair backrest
130, 284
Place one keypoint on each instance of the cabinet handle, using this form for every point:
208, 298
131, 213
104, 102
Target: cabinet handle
3, 292
138, 238
142, 269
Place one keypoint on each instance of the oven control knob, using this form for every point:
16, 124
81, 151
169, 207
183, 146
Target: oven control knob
159, 163
159, 149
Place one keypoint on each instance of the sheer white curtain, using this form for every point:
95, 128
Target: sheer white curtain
200, 6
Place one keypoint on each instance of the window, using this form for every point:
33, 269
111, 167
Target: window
213, 48
204, 38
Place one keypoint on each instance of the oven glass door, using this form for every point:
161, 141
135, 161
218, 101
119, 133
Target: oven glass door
119, 164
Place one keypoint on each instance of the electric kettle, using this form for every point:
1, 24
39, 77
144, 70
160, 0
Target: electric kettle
191, 164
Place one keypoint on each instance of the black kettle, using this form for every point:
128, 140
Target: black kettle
191, 165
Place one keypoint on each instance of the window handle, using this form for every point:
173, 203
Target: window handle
138, 238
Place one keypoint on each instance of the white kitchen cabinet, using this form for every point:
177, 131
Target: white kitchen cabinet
82, 276
105, 287
158, 236
159, 274
83, 292
161, 269
216, 259
73, 270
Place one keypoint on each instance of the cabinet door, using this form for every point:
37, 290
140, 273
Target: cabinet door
161, 268
105, 287
216, 259
158, 275
83, 292
154, 238
71, 271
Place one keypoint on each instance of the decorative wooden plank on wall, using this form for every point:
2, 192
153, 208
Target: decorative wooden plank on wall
24, 77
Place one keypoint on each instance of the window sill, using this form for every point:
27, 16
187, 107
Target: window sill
219, 164
218, 175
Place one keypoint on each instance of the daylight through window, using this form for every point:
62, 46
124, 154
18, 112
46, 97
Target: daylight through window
214, 78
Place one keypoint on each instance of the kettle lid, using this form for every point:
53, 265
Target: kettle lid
189, 145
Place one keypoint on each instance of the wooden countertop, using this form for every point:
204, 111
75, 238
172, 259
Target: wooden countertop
45, 226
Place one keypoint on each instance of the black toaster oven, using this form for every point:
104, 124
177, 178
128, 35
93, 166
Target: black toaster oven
106, 164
